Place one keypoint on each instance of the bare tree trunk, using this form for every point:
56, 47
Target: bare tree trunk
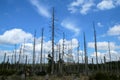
92, 65
4, 58
41, 50
7, 62
62, 54
110, 64
78, 55
95, 46
105, 68
52, 42
3, 65
34, 52
15, 54
86, 58
78, 51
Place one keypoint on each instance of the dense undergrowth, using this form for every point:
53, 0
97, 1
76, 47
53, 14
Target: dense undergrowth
104, 76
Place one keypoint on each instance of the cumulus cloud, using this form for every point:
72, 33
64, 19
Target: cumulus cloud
86, 7
80, 5
103, 45
15, 36
105, 4
70, 25
77, 3
114, 56
42, 10
114, 31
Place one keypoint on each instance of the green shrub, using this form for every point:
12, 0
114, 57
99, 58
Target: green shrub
104, 76
7, 72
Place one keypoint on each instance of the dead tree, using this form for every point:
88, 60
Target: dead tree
4, 58
7, 63
63, 45
12, 59
26, 60
61, 60
3, 65
15, 53
41, 49
78, 55
92, 65
34, 52
95, 46
53, 31
86, 57
78, 51
110, 64
105, 68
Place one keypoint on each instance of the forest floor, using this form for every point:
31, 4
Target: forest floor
16, 77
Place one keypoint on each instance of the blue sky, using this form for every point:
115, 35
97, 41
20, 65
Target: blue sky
19, 19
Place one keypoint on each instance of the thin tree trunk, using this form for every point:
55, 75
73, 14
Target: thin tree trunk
34, 53
52, 42
41, 50
95, 46
85, 51
110, 64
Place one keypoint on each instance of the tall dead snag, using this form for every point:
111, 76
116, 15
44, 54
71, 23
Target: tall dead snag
101, 64
53, 30
61, 61
12, 59
78, 51
41, 49
34, 51
19, 59
86, 58
117, 64
4, 58
26, 61
4, 61
7, 63
78, 55
95, 45
15, 53
92, 65
105, 68
110, 64
63, 45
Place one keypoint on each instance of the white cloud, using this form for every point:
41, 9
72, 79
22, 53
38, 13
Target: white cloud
99, 24
71, 26
103, 45
14, 36
28, 48
77, 3
80, 5
114, 56
114, 31
86, 7
42, 10
105, 4
117, 2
